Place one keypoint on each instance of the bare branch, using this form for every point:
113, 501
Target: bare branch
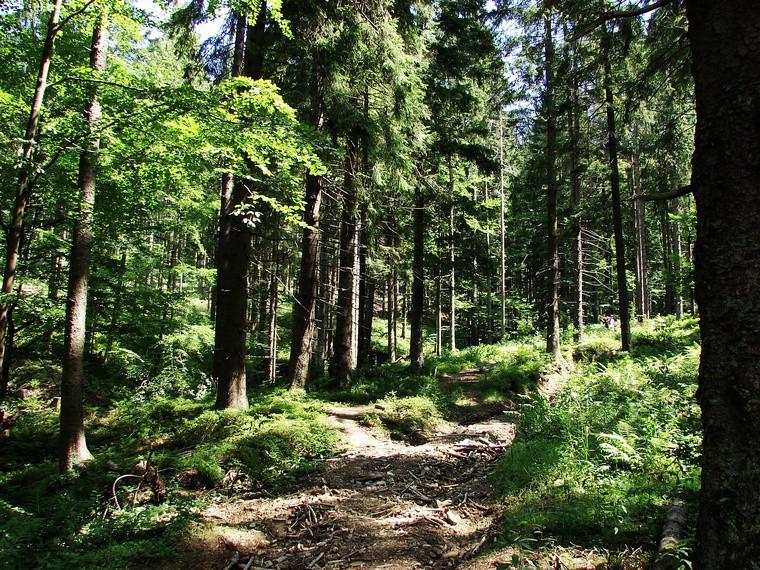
607, 16
682, 191
74, 14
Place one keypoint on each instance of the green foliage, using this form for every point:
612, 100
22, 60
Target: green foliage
518, 371
410, 417
55, 521
597, 345
600, 463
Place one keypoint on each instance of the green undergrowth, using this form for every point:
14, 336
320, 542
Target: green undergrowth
412, 404
599, 465
409, 418
52, 521
519, 369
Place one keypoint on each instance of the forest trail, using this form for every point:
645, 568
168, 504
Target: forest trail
379, 504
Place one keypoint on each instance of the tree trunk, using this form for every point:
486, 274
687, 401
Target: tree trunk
392, 301
677, 252
274, 301
304, 304
73, 444
575, 195
503, 228
356, 302
322, 311
725, 41
438, 313
416, 352
404, 307
640, 227
489, 283
552, 191
667, 260
23, 189
343, 358
617, 217
232, 259
366, 296
452, 261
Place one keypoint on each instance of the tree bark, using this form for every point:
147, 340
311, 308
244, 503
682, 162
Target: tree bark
503, 229
416, 355
667, 260
73, 444
439, 312
343, 358
452, 262
23, 189
640, 227
274, 301
232, 259
617, 217
489, 282
392, 300
576, 196
725, 40
366, 294
552, 313
304, 304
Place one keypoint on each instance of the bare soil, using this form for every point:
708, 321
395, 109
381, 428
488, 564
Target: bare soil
379, 504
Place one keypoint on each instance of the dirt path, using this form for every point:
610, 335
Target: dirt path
380, 504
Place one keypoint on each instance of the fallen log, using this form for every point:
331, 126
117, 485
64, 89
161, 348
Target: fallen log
672, 533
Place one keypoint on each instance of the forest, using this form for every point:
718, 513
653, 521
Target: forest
380, 284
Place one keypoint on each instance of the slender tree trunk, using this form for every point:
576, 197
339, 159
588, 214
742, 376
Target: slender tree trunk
366, 295
725, 41
552, 314
667, 260
676, 256
404, 306
304, 304
324, 275
367, 319
416, 352
503, 228
438, 313
392, 302
617, 217
489, 279
23, 188
343, 359
452, 262
575, 195
639, 217
274, 301
73, 444
356, 302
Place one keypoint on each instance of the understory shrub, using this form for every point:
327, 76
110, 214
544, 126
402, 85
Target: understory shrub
600, 464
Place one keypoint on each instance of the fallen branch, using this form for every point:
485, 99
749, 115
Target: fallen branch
317, 559
116, 482
672, 533
233, 562
682, 191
